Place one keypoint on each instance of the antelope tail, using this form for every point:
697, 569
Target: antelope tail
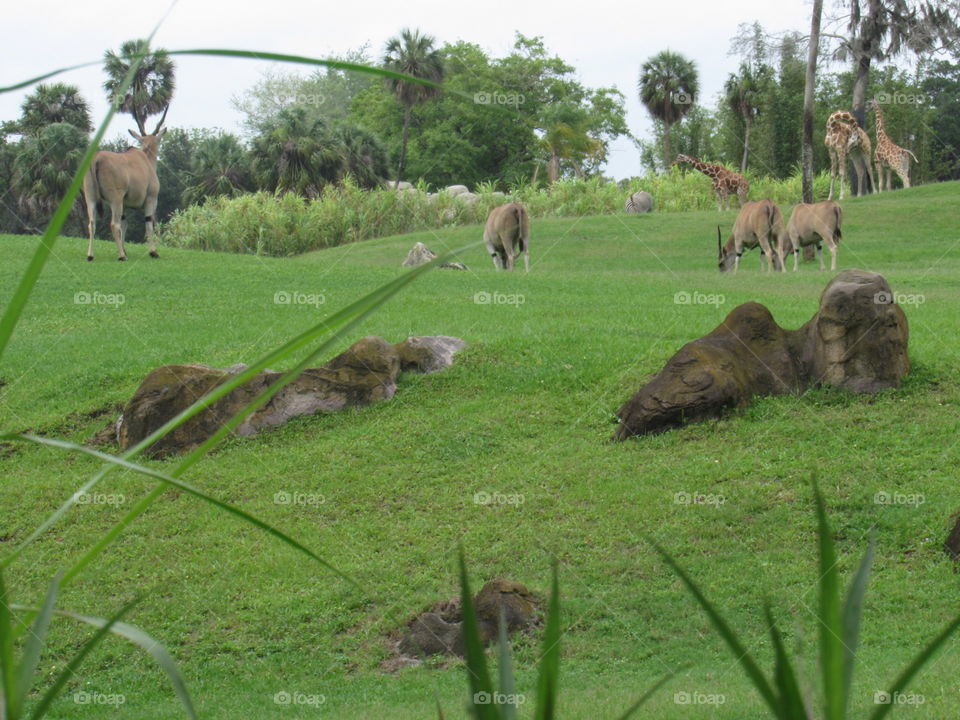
838, 212
96, 187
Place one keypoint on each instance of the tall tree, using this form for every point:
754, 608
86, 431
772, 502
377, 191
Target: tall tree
298, 155
219, 166
743, 96
668, 88
56, 103
412, 54
809, 86
153, 84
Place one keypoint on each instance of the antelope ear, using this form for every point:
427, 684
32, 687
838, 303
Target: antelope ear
136, 136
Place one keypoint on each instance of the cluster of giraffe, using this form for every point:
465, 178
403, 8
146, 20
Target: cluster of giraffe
844, 139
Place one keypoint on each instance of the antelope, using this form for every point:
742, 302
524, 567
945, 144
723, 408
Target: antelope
507, 234
759, 223
816, 223
125, 180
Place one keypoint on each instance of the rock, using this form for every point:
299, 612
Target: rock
453, 266
430, 634
518, 604
497, 194
364, 374
419, 254
857, 340
639, 202
428, 354
952, 544
403, 185
457, 190
468, 198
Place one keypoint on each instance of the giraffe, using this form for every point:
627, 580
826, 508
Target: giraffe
724, 181
889, 156
859, 149
840, 132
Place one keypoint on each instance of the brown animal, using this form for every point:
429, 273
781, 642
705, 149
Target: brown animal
759, 224
125, 180
840, 133
814, 224
724, 181
507, 234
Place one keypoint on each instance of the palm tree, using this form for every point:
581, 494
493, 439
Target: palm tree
566, 139
43, 170
219, 166
668, 88
297, 155
412, 54
153, 84
743, 93
56, 103
363, 155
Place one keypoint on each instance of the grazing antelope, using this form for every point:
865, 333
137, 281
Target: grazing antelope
125, 180
507, 234
814, 223
759, 223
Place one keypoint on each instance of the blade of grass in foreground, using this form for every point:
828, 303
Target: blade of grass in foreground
831, 630
33, 645
549, 678
479, 676
505, 669
791, 700
8, 668
852, 613
753, 671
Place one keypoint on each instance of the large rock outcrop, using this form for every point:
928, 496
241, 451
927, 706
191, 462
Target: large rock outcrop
857, 340
364, 374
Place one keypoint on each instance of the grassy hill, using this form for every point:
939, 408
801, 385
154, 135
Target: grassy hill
526, 411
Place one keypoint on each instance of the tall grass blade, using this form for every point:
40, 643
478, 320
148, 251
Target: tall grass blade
831, 629
71, 668
753, 671
852, 614
646, 696
481, 687
505, 669
549, 678
8, 668
792, 706
186, 487
34, 644
914, 667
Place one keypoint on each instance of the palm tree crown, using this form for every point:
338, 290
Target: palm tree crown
668, 88
153, 84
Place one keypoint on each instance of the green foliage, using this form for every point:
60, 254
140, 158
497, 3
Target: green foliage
50, 104
219, 166
668, 88
153, 84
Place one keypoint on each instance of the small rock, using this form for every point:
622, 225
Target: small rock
952, 544
419, 254
428, 354
455, 190
453, 266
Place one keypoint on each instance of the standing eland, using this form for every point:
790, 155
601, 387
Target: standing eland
125, 180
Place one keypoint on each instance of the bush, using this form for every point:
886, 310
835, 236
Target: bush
283, 225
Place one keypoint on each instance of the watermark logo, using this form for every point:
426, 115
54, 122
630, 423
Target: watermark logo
897, 498
899, 98
499, 98
298, 698
497, 498
96, 297
697, 498
498, 298
882, 697
499, 698
894, 298
683, 297
698, 698
682, 98
285, 497
283, 297
300, 99
115, 499
98, 698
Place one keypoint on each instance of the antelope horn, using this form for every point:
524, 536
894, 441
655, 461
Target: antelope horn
162, 118
140, 127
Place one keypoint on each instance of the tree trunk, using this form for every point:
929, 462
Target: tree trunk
553, 167
403, 144
862, 51
808, 91
667, 159
746, 145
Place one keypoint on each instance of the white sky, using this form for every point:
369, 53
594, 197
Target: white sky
606, 41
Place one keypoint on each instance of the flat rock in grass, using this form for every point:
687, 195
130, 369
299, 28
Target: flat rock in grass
364, 374
453, 266
419, 254
857, 340
440, 629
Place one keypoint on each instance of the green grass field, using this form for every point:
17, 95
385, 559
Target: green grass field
526, 411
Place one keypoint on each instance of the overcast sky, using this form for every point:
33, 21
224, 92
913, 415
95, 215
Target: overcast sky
606, 41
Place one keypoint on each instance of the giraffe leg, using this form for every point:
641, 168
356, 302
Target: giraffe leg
833, 173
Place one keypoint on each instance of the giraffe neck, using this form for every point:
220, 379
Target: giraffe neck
880, 131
